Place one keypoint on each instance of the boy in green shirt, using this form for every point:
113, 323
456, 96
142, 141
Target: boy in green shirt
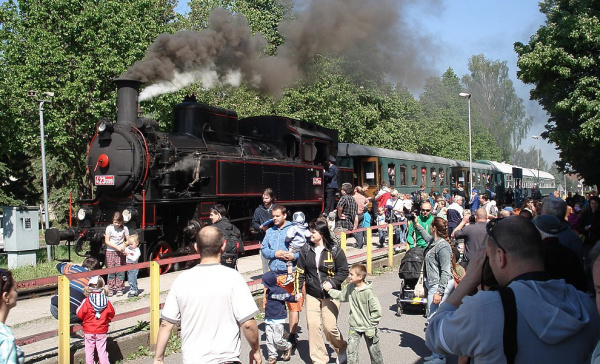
365, 313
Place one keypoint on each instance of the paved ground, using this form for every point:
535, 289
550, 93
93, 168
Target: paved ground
402, 338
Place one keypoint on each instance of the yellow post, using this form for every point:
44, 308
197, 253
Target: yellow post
391, 253
64, 325
369, 251
154, 303
390, 235
343, 242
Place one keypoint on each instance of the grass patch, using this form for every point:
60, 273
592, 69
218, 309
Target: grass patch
44, 268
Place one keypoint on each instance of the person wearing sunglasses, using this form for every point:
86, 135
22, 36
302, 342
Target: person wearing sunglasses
10, 352
529, 319
425, 219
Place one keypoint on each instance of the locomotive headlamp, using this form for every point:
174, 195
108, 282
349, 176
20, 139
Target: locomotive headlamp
105, 126
84, 213
129, 213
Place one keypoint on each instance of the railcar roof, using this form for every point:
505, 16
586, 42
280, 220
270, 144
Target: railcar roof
355, 150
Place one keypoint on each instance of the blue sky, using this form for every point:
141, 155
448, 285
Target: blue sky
491, 27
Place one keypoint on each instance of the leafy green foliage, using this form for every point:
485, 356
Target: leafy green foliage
496, 104
73, 49
444, 129
562, 61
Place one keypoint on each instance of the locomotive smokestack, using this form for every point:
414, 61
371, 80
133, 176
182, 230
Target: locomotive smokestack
127, 100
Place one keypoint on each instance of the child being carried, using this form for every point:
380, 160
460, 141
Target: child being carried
296, 236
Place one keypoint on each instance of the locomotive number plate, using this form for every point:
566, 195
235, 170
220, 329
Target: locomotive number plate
104, 180
316, 181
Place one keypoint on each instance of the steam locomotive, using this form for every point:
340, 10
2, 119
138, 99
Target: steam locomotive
164, 183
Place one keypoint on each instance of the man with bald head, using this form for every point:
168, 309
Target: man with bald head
212, 303
425, 219
545, 321
473, 234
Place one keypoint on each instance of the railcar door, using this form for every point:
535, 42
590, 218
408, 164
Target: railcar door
369, 172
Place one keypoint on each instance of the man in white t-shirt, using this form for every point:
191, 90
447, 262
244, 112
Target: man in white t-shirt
211, 302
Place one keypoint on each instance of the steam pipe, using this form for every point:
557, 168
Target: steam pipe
127, 100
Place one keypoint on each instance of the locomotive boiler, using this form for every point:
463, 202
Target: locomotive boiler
164, 183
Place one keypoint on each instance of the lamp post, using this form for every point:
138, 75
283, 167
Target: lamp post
468, 97
537, 138
46, 97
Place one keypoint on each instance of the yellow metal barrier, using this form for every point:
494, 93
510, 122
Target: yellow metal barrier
391, 248
369, 252
343, 241
64, 317
154, 303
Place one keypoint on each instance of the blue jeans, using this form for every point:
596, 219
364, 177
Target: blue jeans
132, 278
431, 308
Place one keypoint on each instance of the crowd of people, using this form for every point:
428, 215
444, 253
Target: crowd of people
504, 283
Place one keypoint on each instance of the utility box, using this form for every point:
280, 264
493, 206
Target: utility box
20, 232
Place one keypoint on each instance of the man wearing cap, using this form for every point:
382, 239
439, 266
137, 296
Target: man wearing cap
560, 261
507, 211
566, 236
331, 184
548, 320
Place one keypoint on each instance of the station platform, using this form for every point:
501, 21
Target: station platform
32, 316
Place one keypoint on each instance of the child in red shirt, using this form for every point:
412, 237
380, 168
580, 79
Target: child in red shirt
96, 311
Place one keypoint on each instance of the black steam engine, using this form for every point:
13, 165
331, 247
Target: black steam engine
165, 182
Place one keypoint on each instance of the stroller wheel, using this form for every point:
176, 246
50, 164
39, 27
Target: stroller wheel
399, 309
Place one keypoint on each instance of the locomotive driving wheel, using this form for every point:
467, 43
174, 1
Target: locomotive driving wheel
159, 249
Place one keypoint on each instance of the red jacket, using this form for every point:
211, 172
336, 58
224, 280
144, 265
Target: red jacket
92, 325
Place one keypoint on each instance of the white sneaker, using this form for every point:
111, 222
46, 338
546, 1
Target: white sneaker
342, 358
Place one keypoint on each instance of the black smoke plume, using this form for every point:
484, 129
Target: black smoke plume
227, 52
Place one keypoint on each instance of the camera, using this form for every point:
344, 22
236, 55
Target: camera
411, 216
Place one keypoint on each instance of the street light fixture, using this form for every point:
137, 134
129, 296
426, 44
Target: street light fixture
537, 138
46, 97
468, 97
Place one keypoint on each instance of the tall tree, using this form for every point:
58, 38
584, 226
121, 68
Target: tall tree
528, 159
562, 61
73, 49
444, 127
495, 102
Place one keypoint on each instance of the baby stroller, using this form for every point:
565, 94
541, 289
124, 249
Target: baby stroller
409, 273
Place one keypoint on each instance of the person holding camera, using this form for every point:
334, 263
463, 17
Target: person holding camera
425, 219
529, 319
437, 271
473, 233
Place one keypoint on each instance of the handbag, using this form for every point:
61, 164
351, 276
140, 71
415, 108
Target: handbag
419, 287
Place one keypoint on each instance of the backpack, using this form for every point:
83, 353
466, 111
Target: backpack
411, 264
234, 246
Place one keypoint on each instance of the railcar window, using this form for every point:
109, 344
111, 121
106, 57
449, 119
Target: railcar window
424, 176
441, 176
413, 175
391, 174
433, 175
403, 180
